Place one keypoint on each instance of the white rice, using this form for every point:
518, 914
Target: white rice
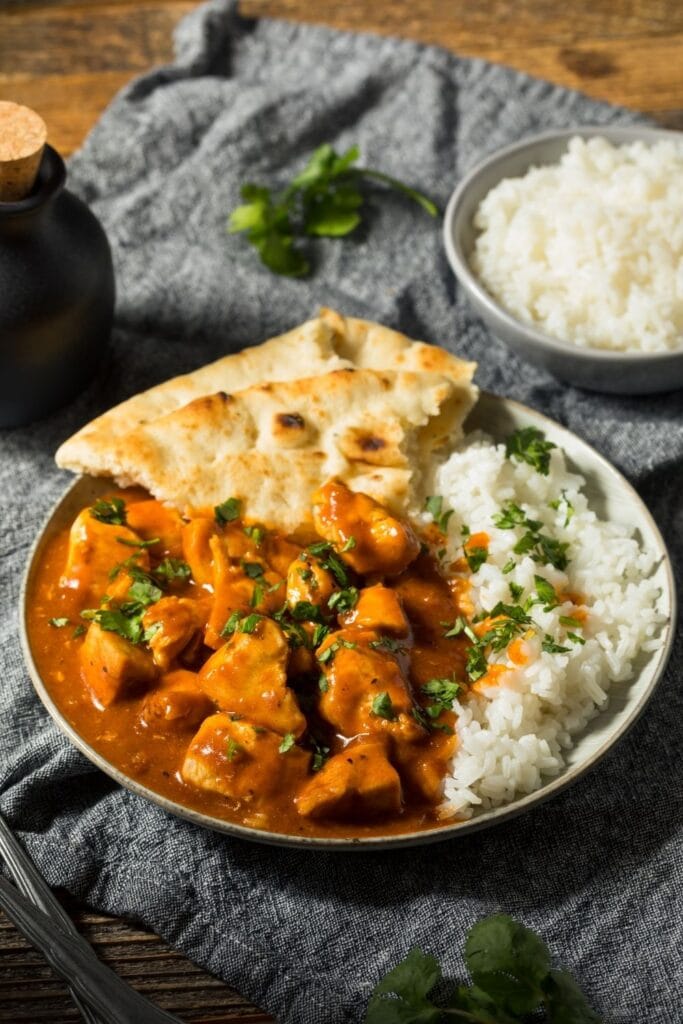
590, 250
515, 735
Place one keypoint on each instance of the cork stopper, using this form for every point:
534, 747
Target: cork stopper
22, 138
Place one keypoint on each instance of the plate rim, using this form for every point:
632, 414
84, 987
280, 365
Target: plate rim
486, 819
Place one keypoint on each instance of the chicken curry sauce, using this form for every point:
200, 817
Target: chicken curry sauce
301, 684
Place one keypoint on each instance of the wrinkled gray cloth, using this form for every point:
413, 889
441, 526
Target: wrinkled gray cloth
596, 870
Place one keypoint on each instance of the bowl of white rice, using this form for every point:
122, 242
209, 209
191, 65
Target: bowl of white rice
569, 245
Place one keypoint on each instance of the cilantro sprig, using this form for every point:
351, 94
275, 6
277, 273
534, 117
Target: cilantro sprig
528, 444
325, 200
512, 977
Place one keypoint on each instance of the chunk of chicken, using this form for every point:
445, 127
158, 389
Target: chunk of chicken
152, 520
243, 761
248, 676
424, 766
196, 536
308, 581
378, 608
95, 548
177, 704
365, 690
173, 623
235, 590
112, 667
382, 543
358, 783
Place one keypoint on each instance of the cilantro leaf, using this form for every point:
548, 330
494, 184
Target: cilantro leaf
343, 600
324, 199
546, 593
565, 1002
138, 543
287, 743
508, 962
475, 557
434, 505
59, 623
112, 511
401, 996
172, 569
240, 623
254, 570
228, 511
233, 748
528, 444
382, 707
550, 647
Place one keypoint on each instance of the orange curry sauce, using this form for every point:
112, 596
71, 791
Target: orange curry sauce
306, 715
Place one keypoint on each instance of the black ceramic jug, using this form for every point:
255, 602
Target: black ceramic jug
56, 297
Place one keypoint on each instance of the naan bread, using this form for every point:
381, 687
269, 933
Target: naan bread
326, 343
273, 444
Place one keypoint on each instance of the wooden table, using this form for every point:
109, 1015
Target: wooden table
67, 59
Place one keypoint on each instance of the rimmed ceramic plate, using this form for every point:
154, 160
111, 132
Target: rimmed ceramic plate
609, 494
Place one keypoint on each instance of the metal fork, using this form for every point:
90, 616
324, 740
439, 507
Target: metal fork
101, 996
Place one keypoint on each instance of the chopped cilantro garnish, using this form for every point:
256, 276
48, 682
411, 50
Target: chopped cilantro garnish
305, 611
78, 631
228, 511
543, 549
323, 683
113, 511
172, 569
319, 633
320, 755
240, 623
442, 693
382, 707
529, 445
465, 531
343, 600
253, 570
516, 590
458, 627
509, 566
329, 559
568, 620
255, 533
138, 543
144, 592
387, 643
546, 594
576, 638
475, 557
329, 652
59, 623
287, 743
232, 748
116, 620
476, 663
550, 647
569, 508
434, 505
349, 544
256, 595
511, 515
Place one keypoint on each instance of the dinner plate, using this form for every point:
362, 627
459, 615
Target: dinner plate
609, 494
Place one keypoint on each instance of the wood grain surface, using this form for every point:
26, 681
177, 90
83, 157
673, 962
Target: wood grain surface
67, 58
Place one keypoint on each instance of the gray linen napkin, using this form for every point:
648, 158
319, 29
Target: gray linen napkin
597, 870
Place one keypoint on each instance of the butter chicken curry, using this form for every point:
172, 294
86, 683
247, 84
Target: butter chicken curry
301, 684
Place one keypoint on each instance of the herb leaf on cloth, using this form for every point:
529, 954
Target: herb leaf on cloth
325, 199
512, 978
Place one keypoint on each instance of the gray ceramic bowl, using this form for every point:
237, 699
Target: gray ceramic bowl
626, 373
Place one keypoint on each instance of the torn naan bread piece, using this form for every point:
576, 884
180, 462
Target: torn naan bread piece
272, 445
326, 343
